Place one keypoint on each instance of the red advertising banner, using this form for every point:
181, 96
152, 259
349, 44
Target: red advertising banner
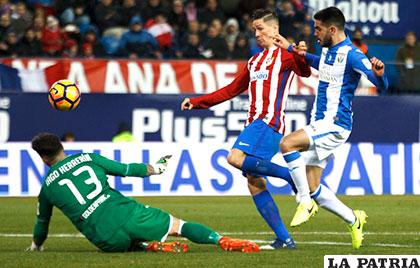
146, 76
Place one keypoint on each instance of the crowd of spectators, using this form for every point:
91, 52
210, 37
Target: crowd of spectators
141, 28
163, 29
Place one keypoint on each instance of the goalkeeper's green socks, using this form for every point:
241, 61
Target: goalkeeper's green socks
199, 233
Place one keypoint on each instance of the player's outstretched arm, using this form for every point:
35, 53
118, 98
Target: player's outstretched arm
42, 223
373, 69
301, 49
236, 87
115, 168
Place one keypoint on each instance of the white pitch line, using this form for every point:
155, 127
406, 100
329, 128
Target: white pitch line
242, 233
323, 233
75, 235
49, 235
344, 244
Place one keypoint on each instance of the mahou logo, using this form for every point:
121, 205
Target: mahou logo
362, 11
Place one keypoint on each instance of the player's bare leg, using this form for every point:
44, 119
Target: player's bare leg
291, 146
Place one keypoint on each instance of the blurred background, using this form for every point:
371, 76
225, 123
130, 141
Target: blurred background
135, 60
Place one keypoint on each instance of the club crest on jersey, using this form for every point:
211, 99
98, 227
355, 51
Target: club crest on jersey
269, 61
260, 75
340, 57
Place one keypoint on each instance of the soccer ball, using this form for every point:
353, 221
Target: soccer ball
64, 95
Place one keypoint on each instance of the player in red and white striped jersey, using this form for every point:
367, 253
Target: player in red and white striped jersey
267, 77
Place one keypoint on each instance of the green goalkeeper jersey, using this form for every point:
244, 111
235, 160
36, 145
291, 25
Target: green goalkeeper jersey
78, 186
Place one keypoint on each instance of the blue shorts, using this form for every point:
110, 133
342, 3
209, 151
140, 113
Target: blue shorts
259, 140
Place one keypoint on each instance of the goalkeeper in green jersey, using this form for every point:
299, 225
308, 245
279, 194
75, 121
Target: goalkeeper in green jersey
78, 186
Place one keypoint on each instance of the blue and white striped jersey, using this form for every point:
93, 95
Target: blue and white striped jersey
340, 68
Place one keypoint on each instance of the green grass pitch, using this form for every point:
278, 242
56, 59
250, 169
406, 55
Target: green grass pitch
393, 227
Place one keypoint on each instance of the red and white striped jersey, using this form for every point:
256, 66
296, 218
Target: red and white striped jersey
267, 77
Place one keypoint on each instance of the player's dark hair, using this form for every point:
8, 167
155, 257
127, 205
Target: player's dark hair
264, 14
47, 144
331, 16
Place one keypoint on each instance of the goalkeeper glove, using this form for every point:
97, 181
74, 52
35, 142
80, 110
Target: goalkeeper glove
34, 247
161, 165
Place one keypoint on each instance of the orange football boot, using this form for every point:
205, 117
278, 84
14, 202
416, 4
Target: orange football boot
176, 247
230, 244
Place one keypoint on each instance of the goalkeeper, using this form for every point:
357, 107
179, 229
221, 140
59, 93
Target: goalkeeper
78, 186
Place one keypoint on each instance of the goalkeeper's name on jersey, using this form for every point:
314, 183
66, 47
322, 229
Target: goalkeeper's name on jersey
94, 206
66, 167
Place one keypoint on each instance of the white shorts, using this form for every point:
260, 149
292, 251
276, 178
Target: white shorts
324, 138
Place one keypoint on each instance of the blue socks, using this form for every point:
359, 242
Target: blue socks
269, 211
259, 166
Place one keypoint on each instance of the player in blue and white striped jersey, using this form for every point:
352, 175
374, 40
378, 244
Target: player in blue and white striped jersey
340, 68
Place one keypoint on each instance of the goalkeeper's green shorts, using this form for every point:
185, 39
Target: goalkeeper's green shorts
145, 224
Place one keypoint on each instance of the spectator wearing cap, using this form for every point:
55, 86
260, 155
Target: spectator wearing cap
138, 43
87, 51
231, 32
71, 49
210, 12
107, 15
52, 40
70, 31
29, 46
90, 38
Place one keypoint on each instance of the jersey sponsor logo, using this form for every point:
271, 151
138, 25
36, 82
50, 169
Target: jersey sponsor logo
260, 75
326, 74
94, 206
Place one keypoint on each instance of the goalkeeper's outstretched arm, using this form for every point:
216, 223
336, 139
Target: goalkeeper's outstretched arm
133, 169
40, 232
